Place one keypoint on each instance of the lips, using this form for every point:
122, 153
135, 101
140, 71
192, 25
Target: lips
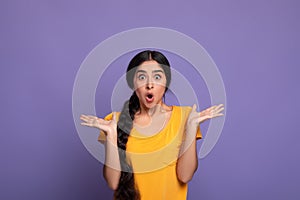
149, 98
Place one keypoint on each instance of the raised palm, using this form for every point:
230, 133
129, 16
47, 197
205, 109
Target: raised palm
108, 126
195, 118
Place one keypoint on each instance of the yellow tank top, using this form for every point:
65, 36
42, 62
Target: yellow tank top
154, 158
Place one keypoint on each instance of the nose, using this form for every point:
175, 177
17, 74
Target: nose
149, 85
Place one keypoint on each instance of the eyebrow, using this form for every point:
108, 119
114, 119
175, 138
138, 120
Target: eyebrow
154, 71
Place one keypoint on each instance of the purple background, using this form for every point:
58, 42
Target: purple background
255, 45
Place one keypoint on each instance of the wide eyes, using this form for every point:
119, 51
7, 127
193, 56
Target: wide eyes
142, 77
157, 77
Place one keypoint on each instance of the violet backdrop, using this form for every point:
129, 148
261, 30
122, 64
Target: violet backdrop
255, 45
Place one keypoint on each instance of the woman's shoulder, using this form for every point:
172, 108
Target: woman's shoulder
182, 111
182, 108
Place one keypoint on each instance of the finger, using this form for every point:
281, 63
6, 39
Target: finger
86, 124
114, 116
217, 115
205, 115
94, 117
210, 108
91, 116
83, 117
194, 107
84, 121
219, 110
219, 106
216, 108
100, 126
88, 117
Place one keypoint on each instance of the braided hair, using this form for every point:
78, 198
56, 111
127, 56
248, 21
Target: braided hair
126, 189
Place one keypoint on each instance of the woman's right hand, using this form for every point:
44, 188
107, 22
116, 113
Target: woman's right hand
109, 127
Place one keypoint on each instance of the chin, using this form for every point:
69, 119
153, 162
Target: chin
150, 105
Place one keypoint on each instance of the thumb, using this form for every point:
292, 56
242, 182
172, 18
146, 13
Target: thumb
114, 116
194, 107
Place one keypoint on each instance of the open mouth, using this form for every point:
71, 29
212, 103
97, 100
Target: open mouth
149, 97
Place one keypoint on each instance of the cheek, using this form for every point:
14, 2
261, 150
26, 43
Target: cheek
161, 83
138, 92
160, 90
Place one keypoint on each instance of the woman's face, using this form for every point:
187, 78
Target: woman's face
150, 83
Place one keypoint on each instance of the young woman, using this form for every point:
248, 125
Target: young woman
150, 146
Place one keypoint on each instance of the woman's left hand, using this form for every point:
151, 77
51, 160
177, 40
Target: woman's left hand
195, 118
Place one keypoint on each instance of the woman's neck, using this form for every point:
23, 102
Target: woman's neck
150, 111
152, 120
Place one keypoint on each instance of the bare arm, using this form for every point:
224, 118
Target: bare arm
111, 168
187, 163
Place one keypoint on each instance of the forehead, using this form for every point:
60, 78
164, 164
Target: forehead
149, 66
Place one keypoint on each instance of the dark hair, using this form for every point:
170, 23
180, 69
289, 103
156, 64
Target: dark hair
126, 189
